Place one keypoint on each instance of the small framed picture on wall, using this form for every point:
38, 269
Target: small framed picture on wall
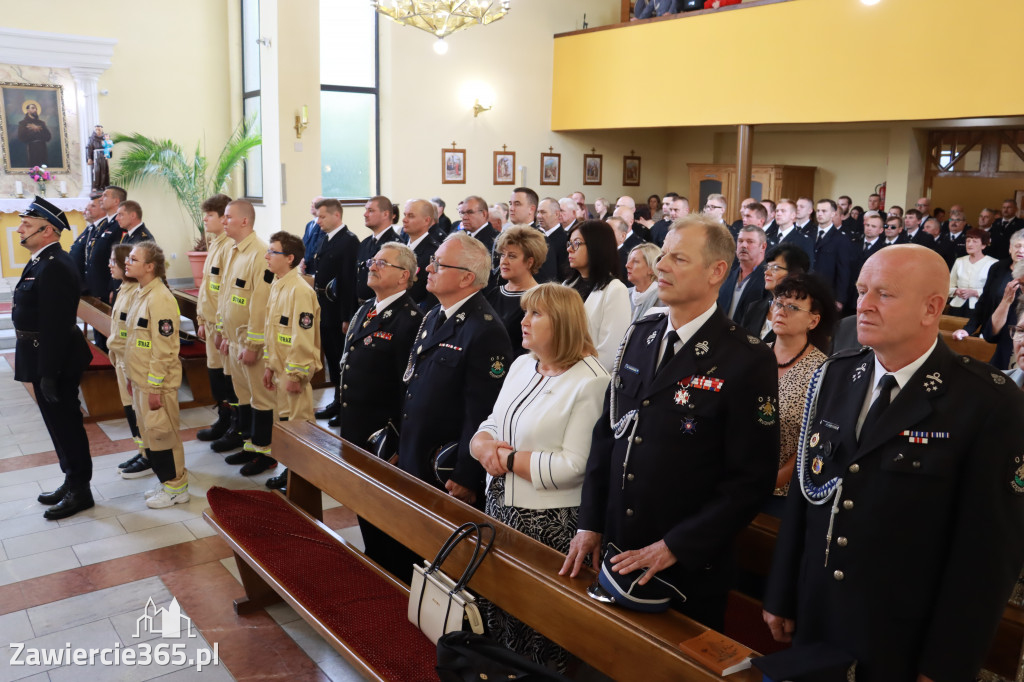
631, 171
504, 168
453, 166
592, 169
550, 169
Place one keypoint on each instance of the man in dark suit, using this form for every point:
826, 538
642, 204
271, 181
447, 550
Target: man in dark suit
864, 246
456, 369
737, 224
771, 229
626, 239
679, 208
376, 217
475, 214
80, 247
678, 464
106, 234
129, 217
335, 285
957, 233
904, 439
833, 252
845, 203
912, 229
941, 243
51, 352
745, 282
380, 337
443, 222
522, 207
1007, 224
660, 228
893, 231
312, 236
556, 263
416, 222
805, 217
786, 230
999, 244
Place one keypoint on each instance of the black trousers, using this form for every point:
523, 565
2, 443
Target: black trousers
332, 341
64, 422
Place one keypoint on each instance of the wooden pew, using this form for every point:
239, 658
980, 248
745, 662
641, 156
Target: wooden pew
973, 346
520, 575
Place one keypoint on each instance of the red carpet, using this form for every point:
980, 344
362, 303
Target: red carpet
357, 604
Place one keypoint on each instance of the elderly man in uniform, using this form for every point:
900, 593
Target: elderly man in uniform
904, 529
380, 336
242, 314
51, 352
292, 354
686, 450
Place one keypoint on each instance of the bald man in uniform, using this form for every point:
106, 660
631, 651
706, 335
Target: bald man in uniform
904, 529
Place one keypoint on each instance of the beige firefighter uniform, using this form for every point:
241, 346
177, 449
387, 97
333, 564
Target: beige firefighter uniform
152, 365
242, 313
209, 296
118, 339
293, 343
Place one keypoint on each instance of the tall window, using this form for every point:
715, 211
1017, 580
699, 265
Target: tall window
349, 104
251, 103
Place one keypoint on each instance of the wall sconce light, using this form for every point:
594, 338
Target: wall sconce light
479, 108
301, 121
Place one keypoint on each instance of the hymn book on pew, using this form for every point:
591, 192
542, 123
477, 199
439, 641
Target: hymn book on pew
718, 653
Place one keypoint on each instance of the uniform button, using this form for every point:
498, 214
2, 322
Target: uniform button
344, 387
344, 404
630, 477
916, 464
854, 468
351, 347
838, 575
847, 504
629, 512
842, 541
638, 439
405, 416
416, 375
645, 403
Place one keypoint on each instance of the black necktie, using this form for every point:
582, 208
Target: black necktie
441, 317
886, 385
821, 235
866, 247
670, 350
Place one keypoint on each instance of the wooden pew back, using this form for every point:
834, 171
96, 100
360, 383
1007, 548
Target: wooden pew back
520, 575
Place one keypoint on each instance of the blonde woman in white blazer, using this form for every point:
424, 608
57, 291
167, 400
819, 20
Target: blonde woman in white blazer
536, 442
593, 256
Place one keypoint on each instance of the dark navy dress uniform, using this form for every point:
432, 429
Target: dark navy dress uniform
78, 253
696, 454
455, 375
141, 234
368, 248
928, 532
427, 247
335, 285
105, 235
51, 350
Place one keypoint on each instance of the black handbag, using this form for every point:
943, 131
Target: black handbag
467, 657
384, 443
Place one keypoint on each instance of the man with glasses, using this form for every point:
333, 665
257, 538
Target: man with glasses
716, 206
293, 336
475, 221
380, 337
893, 228
376, 217
924, 206
455, 369
906, 535
958, 233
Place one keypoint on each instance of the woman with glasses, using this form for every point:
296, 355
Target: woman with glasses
595, 262
969, 274
780, 262
137, 466
522, 251
536, 441
153, 369
803, 316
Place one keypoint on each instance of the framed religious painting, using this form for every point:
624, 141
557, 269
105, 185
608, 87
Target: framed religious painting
32, 127
453, 166
550, 169
631, 171
504, 168
592, 169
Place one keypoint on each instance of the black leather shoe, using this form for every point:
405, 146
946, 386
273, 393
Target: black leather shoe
232, 440
279, 482
258, 465
328, 412
54, 497
240, 457
334, 422
72, 503
219, 427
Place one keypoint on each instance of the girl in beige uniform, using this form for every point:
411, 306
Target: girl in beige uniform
154, 373
137, 466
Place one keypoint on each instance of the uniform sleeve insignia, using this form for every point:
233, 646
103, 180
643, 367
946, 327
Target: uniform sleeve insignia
387, 314
268, 277
766, 411
701, 348
753, 340
859, 372
488, 317
305, 320
932, 382
1017, 483
653, 335
998, 378
166, 327
497, 367
461, 317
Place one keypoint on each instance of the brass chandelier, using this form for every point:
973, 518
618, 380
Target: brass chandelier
442, 17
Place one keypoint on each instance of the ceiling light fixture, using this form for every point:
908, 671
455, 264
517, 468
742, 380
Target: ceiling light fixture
442, 17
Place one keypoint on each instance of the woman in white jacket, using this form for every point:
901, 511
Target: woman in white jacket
593, 256
536, 442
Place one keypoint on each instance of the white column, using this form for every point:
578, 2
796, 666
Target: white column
86, 80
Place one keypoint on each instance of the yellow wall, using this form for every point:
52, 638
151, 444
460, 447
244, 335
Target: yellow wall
815, 61
168, 79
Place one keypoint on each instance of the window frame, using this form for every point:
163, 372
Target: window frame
247, 95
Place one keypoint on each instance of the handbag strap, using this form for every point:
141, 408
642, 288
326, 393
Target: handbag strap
457, 536
480, 551
476, 560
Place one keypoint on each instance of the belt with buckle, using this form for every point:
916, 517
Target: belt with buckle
26, 336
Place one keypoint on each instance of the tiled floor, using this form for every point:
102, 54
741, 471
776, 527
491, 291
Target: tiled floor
83, 582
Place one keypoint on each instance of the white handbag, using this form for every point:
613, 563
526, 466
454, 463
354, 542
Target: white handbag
439, 605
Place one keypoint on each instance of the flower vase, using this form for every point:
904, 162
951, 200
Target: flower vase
42, 188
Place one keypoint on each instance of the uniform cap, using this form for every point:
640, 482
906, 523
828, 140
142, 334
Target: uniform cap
41, 208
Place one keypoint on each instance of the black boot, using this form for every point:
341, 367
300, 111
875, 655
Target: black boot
232, 438
331, 410
219, 427
279, 482
73, 502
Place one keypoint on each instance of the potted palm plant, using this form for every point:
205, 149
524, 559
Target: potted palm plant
191, 180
